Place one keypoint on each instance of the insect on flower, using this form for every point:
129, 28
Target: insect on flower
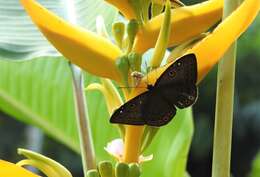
176, 87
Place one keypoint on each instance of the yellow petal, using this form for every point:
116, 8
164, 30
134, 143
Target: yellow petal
211, 49
124, 7
91, 52
208, 53
8, 169
186, 22
112, 97
181, 49
113, 93
48, 166
44, 168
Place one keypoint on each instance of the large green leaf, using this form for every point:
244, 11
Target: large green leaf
39, 92
170, 147
20, 39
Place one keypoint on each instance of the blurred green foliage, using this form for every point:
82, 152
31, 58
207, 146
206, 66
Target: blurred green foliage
256, 167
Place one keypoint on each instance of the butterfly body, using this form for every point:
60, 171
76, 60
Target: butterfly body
176, 87
150, 87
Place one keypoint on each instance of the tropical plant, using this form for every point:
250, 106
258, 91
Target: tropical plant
33, 90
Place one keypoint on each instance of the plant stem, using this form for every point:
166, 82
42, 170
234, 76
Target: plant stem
224, 106
85, 138
133, 137
132, 140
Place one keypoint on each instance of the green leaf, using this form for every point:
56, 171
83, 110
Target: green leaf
33, 91
39, 92
170, 147
20, 38
255, 172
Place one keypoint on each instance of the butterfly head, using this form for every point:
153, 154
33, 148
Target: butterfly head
150, 87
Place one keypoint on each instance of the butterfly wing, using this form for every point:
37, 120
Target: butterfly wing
182, 71
178, 83
130, 112
180, 95
157, 111
176, 86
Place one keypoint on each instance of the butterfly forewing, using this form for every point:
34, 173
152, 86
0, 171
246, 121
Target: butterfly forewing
157, 111
178, 82
130, 112
182, 71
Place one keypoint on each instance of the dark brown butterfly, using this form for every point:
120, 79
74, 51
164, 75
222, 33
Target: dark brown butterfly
176, 87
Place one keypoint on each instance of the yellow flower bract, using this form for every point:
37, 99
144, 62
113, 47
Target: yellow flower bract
186, 22
91, 52
208, 53
124, 7
97, 55
8, 169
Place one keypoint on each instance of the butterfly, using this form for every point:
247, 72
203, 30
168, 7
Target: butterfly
176, 87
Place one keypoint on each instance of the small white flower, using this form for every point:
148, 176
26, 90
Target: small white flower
116, 149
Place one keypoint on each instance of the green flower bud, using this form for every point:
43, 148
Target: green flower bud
105, 169
118, 30
92, 173
145, 9
134, 170
132, 29
136, 5
163, 38
123, 66
135, 61
122, 170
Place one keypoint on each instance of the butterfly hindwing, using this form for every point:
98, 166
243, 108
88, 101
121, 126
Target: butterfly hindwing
157, 111
180, 95
130, 112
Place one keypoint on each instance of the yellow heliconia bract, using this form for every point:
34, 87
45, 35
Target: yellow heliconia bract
8, 169
91, 52
212, 48
124, 7
186, 22
97, 55
208, 52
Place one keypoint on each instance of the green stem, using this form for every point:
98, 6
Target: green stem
224, 106
86, 142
